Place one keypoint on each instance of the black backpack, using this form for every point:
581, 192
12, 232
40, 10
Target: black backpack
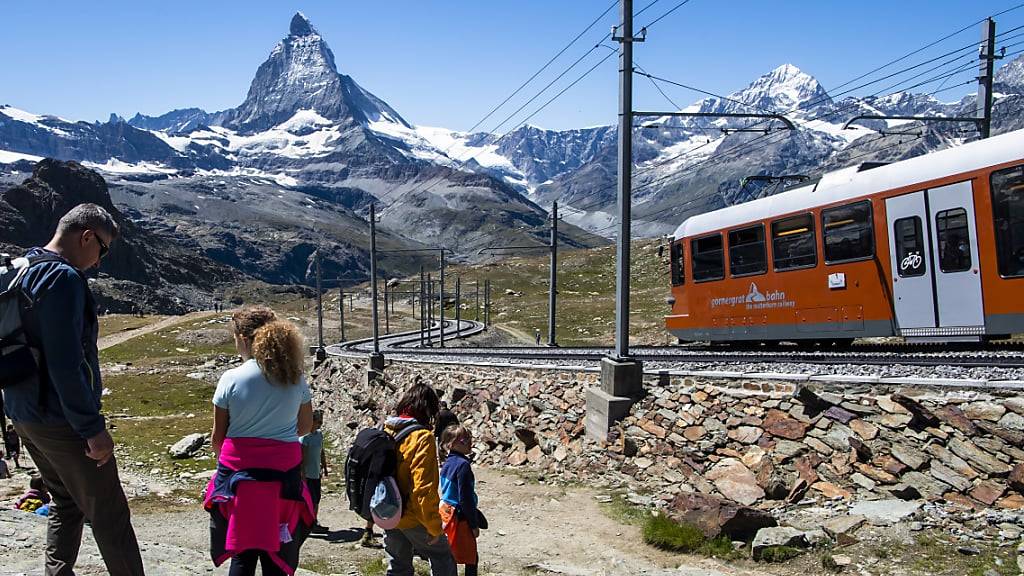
20, 360
372, 457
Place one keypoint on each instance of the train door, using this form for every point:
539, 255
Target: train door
934, 252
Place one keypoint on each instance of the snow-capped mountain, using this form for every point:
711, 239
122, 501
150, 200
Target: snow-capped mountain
304, 126
686, 166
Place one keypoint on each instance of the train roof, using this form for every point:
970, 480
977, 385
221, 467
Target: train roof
852, 182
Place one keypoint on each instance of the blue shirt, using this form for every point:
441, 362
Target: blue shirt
66, 333
258, 409
458, 487
312, 446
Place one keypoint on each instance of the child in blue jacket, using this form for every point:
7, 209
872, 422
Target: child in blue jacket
458, 497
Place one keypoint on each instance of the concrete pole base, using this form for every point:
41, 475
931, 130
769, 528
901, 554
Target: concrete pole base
621, 386
374, 367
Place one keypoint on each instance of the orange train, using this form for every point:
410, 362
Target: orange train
930, 249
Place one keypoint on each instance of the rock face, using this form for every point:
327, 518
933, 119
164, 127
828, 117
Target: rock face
688, 443
143, 267
300, 74
715, 516
778, 536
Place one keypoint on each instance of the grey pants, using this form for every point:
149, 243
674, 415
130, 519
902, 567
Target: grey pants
400, 545
81, 492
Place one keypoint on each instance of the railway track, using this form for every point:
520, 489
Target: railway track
406, 346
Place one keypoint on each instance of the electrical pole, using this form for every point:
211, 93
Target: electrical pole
341, 310
376, 366
625, 181
321, 353
476, 289
487, 302
553, 280
621, 375
988, 57
430, 308
440, 300
458, 304
423, 301
387, 310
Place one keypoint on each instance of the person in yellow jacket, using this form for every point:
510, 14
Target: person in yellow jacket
419, 531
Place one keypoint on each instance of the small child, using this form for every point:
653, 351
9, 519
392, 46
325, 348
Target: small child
458, 497
36, 497
12, 444
314, 464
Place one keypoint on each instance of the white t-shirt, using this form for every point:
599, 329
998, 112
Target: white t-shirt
258, 409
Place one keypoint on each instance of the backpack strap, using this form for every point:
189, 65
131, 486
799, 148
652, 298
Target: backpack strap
405, 432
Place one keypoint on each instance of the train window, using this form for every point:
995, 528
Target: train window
746, 251
909, 247
848, 232
793, 243
707, 258
678, 273
954, 240
1008, 209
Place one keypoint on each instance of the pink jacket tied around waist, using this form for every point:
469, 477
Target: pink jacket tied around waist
258, 517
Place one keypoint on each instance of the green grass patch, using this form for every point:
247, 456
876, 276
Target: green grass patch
586, 294
184, 342
934, 553
162, 394
666, 534
145, 441
778, 554
374, 567
117, 323
622, 510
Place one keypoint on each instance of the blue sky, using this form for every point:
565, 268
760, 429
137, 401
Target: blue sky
448, 62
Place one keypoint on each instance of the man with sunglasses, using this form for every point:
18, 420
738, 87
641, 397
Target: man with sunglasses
57, 413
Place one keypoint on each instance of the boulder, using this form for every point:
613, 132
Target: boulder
921, 417
956, 418
977, 457
843, 524
984, 411
778, 423
735, 481
188, 446
885, 512
716, 516
777, 536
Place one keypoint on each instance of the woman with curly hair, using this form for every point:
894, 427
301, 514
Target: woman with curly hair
260, 508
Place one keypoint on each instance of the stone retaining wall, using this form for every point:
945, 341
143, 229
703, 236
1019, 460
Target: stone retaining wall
756, 443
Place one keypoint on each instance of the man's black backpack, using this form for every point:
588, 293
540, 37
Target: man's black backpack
372, 457
20, 360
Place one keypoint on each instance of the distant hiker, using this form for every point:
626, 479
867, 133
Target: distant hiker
36, 497
445, 418
536, 337
12, 445
661, 250
314, 464
57, 413
419, 531
261, 510
458, 497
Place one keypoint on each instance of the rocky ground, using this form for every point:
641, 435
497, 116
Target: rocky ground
554, 507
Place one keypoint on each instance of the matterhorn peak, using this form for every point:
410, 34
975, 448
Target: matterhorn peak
301, 27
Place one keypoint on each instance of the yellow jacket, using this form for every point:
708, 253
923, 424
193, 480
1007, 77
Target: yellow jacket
417, 477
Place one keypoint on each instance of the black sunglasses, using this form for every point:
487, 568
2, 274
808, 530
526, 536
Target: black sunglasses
103, 245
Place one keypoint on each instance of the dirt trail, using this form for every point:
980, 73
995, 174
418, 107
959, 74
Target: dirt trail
119, 337
534, 529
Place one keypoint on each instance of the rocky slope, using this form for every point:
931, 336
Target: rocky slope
148, 268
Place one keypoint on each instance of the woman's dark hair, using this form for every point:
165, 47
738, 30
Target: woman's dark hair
419, 401
36, 483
